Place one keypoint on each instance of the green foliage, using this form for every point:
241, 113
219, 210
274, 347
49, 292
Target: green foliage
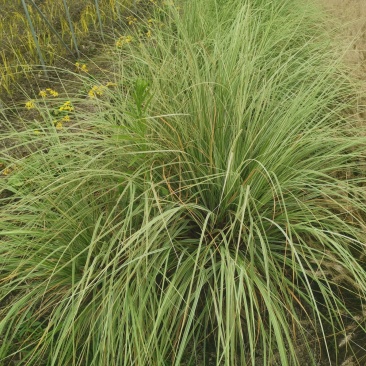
213, 204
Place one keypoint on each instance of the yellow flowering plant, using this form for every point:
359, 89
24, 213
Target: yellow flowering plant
7, 170
30, 104
62, 114
67, 106
81, 67
96, 91
59, 125
131, 20
52, 92
44, 93
123, 40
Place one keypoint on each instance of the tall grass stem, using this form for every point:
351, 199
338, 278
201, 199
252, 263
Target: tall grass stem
71, 28
35, 39
99, 19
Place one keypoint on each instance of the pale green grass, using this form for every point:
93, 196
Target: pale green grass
208, 204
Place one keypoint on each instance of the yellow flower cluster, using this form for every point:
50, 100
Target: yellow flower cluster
122, 40
67, 106
51, 92
131, 20
96, 90
6, 171
81, 67
30, 104
59, 125
43, 94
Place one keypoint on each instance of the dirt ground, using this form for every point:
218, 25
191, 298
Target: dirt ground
350, 15
349, 18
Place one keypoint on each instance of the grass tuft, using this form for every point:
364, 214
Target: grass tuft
210, 205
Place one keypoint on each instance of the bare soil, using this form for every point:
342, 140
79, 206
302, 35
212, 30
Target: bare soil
349, 18
350, 15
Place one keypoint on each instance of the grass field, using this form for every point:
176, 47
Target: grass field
199, 199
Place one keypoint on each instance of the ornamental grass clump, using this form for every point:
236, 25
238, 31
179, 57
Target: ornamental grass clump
209, 211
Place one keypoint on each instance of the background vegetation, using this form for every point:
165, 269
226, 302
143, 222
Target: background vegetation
202, 203
54, 33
